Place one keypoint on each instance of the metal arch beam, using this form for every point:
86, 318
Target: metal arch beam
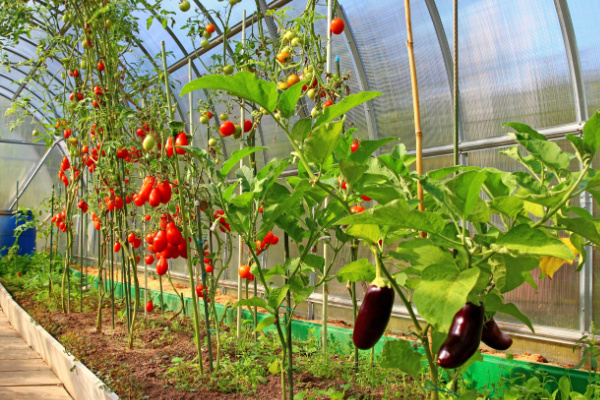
212, 21
568, 33
34, 110
32, 115
363, 80
586, 289
269, 20
25, 58
448, 59
30, 91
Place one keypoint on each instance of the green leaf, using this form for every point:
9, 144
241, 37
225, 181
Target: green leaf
341, 108
176, 126
243, 84
279, 269
322, 142
243, 201
507, 205
276, 297
367, 148
302, 293
313, 263
356, 271
398, 214
251, 302
589, 228
465, 189
399, 354
352, 171
268, 321
421, 253
300, 130
442, 292
591, 133
493, 302
527, 240
236, 157
511, 272
149, 22
286, 104
369, 233
549, 153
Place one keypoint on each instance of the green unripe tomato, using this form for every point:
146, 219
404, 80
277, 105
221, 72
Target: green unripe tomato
228, 69
310, 93
108, 24
63, 76
204, 43
227, 31
264, 110
204, 120
216, 160
184, 6
207, 34
66, 18
296, 42
310, 69
83, 64
289, 35
238, 132
35, 132
233, 2
223, 117
315, 112
308, 77
212, 142
287, 49
149, 143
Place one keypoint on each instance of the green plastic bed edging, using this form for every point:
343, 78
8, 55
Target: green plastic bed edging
480, 375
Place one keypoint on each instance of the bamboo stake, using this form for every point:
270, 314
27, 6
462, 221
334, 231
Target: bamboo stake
417, 111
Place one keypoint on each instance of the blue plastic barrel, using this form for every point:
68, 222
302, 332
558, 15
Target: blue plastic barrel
9, 221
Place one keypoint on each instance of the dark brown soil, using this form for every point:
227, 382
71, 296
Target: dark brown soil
139, 373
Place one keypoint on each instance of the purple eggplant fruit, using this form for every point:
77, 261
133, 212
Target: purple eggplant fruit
494, 337
463, 338
373, 316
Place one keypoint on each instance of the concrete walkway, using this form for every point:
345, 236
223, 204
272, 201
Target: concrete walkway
23, 373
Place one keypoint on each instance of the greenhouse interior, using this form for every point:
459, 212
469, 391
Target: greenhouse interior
281, 199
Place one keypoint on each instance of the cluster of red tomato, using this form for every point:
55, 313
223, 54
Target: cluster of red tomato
228, 128
207, 260
83, 206
153, 193
223, 225
90, 158
245, 273
60, 220
270, 239
64, 167
180, 140
96, 220
167, 243
201, 291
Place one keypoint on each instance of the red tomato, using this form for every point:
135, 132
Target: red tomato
67, 132
337, 26
118, 203
131, 237
267, 240
150, 238
357, 209
138, 200
209, 114
182, 249
199, 289
149, 259
155, 198
147, 217
365, 198
173, 234
127, 198
162, 266
165, 191
169, 146
244, 271
227, 128
95, 104
354, 146
140, 132
210, 28
247, 126
160, 241
100, 66
208, 268
181, 140
117, 247
328, 103
149, 306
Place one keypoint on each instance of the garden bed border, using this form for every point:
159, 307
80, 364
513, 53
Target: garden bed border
78, 380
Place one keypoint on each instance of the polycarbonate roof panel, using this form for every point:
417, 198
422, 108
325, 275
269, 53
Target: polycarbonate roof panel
380, 38
512, 65
588, 42
152, 37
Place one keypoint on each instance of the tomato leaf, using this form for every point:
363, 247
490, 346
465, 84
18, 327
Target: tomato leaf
352, 171
236, 157
442, 292
341, 108
371, 233
399, 354
300, 130
367, 148
589, 228
276, 297
356, 271
591, 133
243, 84
251, 302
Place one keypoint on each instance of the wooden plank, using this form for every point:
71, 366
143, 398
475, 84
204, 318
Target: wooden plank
22, 365
29, 378
34, 392
25, 354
